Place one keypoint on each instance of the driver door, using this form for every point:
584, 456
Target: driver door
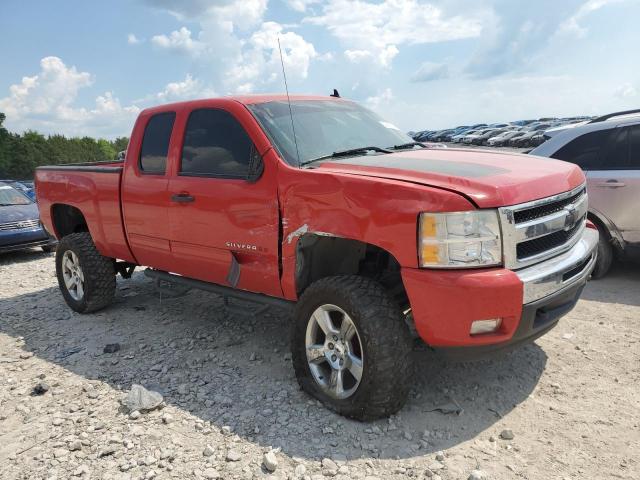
223, 224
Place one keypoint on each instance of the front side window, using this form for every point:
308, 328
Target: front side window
215, 145
155, 143
585, 151
323, 127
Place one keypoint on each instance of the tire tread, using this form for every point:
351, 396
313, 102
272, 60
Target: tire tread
389, 345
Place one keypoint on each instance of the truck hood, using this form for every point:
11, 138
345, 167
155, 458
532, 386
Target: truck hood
489, 179
18, 213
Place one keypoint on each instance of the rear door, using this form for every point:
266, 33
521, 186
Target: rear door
145, 199
614, 185
223, 228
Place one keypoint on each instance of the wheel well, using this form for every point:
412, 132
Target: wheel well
67, 220
602, 227
319, 256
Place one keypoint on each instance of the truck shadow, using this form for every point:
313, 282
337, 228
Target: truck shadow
23, 256
620, 285
235, 370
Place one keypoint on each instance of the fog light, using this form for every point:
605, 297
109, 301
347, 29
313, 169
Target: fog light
485, 326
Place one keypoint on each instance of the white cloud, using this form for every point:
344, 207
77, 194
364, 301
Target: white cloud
179, 41
259, 62
45, 102
573, 24
626, 91
375, 102
429, 71
245, 47
376, 30
132, 39
188, 89
301, 5
242, 14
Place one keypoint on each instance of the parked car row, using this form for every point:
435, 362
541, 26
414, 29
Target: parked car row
518, 134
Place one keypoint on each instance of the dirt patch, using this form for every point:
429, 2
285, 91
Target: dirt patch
232, 405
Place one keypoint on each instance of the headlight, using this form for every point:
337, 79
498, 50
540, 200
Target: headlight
461, 239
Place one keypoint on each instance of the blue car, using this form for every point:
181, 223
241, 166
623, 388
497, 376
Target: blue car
20, 226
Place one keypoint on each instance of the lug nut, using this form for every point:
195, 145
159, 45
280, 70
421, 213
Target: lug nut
333, 358
331, 346
335, 338
341, 362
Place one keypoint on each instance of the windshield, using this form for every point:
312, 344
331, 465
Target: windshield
11, 196
323, 127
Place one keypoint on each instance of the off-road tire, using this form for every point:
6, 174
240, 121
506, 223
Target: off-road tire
98, 271
605, 255
386, 344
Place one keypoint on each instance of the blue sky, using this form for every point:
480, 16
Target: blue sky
85, 67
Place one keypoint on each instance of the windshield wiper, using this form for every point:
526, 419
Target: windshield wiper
404, 146
349, 153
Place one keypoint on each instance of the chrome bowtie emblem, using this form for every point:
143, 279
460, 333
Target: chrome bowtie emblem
571, 217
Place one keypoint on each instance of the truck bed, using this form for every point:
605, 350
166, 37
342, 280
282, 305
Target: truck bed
94, 189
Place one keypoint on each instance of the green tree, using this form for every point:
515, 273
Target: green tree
21, 154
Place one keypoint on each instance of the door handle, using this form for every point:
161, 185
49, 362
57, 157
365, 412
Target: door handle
611, 184
182, 198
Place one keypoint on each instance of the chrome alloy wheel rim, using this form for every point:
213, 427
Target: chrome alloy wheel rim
72, 275
334, 351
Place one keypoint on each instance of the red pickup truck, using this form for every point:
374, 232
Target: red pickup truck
320, 205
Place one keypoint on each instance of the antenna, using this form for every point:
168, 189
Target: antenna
286, 88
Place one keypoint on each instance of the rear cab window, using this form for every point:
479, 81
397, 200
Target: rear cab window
155, 143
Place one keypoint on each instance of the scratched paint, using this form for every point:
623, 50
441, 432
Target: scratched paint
297, 233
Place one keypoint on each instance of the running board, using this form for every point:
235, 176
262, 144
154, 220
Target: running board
225, 292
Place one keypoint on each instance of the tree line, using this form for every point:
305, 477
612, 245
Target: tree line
21, 154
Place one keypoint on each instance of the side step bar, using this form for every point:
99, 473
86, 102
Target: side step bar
226, 292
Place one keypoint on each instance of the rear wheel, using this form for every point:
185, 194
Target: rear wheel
350, 347
86, 278
605, 254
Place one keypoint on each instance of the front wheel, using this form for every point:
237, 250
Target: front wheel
350, 347
86, 278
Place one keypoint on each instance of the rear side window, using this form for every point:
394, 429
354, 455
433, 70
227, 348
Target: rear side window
585, 151
617, 154
155, 143
215, 145
634, 147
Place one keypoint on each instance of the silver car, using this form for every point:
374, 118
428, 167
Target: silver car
607, 148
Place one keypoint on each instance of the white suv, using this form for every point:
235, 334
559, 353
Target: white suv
607, 148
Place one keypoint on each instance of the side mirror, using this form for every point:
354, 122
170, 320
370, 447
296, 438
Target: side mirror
256, 166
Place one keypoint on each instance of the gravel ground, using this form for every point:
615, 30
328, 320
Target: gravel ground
565, 407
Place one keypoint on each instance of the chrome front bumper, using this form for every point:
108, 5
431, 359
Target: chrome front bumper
561, 272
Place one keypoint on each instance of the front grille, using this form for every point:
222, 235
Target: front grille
548, 242
19, 225
528, 214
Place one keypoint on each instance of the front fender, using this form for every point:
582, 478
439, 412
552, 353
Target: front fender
376, 211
